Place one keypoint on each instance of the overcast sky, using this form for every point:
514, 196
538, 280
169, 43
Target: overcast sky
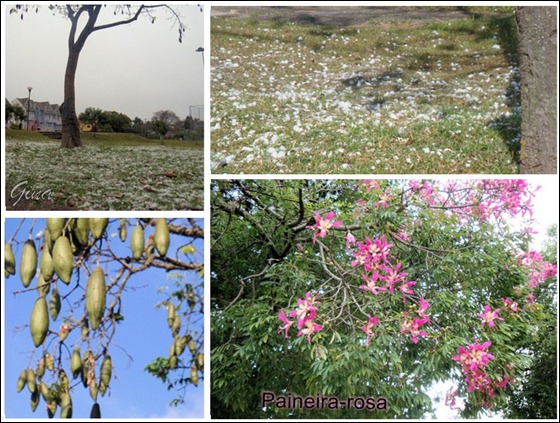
136, 69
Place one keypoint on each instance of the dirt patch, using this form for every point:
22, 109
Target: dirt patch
341, 16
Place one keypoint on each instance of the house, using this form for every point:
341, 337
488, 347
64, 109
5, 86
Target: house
43, 116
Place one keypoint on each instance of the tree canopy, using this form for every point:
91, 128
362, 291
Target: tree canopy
375, 290
81, 277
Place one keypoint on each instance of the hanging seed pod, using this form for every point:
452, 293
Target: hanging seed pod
194, 375
76, 363
9, 260
191, 300
122, 230
98, 226
54, 226
84, 331
200, 360
31, 382
39, 321
171, 313
65, 405
173, 362
176, 325
88, 363
137, 242
42, 286
44, 389
105, 374
28, 264
93, 389
22, 380
49, 361
34, 401
81, 230
46, 263
41, 366
95, 412
63, 259
63, 380
161, 237
48, 241
54, 303
192, 346
180, 344
95, 297
51, 409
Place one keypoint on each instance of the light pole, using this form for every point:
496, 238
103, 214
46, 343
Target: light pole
201, 51
28, 104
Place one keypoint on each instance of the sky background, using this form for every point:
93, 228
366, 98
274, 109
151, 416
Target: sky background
135, 69
144, 334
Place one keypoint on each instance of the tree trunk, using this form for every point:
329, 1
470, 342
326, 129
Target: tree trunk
537, 29
70, 124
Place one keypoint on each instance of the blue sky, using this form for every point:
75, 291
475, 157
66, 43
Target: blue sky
143, 334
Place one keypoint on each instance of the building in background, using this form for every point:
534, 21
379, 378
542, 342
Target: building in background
43, 116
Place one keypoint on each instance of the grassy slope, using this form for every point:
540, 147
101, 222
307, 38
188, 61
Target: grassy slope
385, 97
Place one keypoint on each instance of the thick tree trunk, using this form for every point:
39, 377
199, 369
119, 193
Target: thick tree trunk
70, 124
537, 31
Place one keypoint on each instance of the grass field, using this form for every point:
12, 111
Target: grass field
399, 97
112, 172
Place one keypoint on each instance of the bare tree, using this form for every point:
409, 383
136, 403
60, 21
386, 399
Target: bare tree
84, 22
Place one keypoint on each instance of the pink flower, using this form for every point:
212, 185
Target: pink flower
309, 329
405, 288
322, 226
489, 316
306, 310
371, 286
424, 305
350, 240
287, 323
393, 276
510, 306
383, 198
450, 399
371, 184
367, 328
413, 327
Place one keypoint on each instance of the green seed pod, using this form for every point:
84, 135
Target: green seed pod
34, 401
28, 264
194, 375
44, 389
41, 366
63, 259
51, 409
76, 363
95, 412
39, 321
64, 331
122, 230
200, 360
137, 242
65, 405
9, 260
87, 363
31, 381
161, 237
180, 345
95, 297
49, 361
54, 226
171, 313
42, 286
80, 232
98, 226
173, 362
192, 346
172, 350
22, 380
93, 390
46, 263
105, 373
47, 241
176, 325
54, 303
191, 300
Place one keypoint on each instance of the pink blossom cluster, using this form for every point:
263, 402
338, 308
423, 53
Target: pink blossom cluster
322, 225
510, 306
305, 315
450, 399
381, 274
474, 360
413, 326
368, 327
539, 270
